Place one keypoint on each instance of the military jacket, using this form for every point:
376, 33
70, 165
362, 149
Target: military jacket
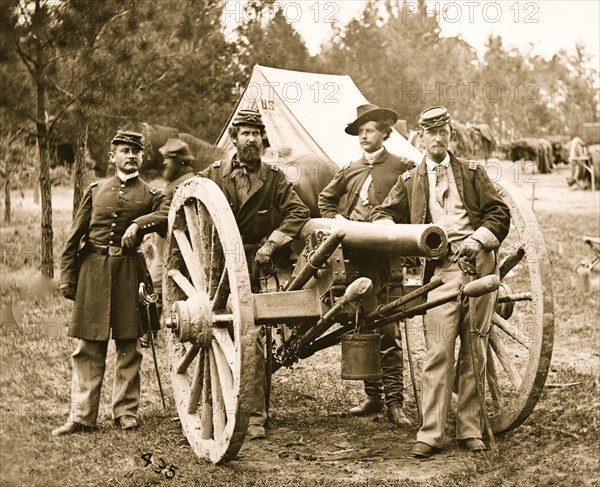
172, 185
272, 203
107, 286
408, 200
350, 179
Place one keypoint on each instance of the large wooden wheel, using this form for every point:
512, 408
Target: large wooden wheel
209, 307
520, 344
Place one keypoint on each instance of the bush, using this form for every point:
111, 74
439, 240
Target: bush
60, 176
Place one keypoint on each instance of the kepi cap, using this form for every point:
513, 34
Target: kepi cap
434, 117
369, 113
176, 148
128, 137
248, 117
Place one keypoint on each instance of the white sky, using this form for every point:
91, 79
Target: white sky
548, 25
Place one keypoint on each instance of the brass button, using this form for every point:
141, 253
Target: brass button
115, 215
113, 225
111, 242
112, 233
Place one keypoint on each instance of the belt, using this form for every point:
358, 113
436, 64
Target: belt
114, 250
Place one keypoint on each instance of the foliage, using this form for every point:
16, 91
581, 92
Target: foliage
396, 55
267, 38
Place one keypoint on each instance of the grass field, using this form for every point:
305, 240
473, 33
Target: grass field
557, 445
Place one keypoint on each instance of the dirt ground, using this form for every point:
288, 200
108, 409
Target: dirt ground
311, 439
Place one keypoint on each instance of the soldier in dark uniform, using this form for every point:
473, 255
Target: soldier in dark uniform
458, 196
267, 210
177, 165
352, 194
103, 280
177, 168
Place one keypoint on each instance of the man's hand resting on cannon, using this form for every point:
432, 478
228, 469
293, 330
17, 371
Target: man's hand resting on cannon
276, 240
468, 249
263, 255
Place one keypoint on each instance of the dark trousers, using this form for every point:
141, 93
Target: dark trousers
391, 386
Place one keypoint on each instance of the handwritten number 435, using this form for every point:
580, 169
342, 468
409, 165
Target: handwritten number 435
161, 466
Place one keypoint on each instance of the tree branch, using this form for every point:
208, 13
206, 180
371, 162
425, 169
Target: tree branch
151, 83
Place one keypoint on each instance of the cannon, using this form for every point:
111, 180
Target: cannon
347, 274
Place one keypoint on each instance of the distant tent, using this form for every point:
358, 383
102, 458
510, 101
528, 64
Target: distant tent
307, 114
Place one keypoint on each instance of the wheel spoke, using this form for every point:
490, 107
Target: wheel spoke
221, 336
219, 297
206, 419
196, 390
504, 359
225, 373
191, 260
182, 281
186, 360
199, 244
205, 229
511, 260
216, 262
511, 330
218, 407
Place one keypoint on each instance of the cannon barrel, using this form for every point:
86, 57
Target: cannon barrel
393, 240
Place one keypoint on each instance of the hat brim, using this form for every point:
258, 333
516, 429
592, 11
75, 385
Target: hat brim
376, 115
169, 155
128, 142
426, 124
250, 124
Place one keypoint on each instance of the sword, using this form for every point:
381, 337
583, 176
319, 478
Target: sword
147, 300
474, 336
412, 371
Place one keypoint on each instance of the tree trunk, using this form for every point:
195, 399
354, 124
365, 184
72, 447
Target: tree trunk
79, 180
7, 200
47, 266
36, 178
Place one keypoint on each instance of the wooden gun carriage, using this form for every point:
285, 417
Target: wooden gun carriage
348, 272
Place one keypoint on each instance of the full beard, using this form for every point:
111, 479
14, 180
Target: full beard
250, 156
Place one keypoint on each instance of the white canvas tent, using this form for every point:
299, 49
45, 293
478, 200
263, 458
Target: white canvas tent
307, 113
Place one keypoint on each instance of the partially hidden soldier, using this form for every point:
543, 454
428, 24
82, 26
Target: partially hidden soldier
458, 196
353, 192
269, 215
103, 279
177, 168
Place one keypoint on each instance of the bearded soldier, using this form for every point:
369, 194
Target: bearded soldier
268, 212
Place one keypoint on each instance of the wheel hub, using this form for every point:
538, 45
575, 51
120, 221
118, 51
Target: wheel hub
193, 319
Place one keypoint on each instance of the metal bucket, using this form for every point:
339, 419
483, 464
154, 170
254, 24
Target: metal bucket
361, 356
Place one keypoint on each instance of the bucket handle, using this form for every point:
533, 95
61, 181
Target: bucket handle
359, 318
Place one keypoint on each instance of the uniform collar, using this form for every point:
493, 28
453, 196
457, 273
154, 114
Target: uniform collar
431, 164
126, 177
374, 157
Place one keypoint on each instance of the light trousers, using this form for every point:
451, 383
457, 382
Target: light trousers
443, 325
89, 363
